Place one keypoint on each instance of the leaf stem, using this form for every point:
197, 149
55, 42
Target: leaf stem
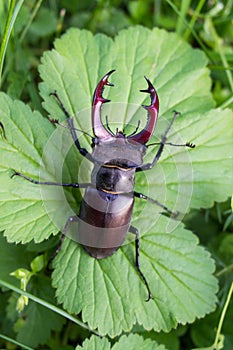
227, 103
15, 342
195, 15
218, 337
32, 16
225, 270
183, 10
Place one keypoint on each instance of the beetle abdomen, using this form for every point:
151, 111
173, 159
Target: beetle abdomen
104, 221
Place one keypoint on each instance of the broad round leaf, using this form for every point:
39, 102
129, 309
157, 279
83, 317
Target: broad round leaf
111, 295
131, 342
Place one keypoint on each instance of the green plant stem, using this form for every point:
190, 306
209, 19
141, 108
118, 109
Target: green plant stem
227, 103
192, 31
11, 17
225, 270
32, 16
47, 305
15, 342
219, 48
218, 333
22, 36
193, 19
225, 65
183, 10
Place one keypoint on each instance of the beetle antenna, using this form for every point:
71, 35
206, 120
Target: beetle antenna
187, 144
108, 127
56, 121
136, 130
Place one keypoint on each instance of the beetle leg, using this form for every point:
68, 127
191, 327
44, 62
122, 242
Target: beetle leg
135, 231
148, 166
67, 225
81, 150
143, 196
36, 182
69, 221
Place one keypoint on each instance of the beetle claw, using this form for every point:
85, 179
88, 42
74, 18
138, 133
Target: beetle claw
98, 95
98, 99
153, 109
153, 95
150, 89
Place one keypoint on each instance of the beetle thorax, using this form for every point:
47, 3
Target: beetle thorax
117, 161
113, 179
121, 151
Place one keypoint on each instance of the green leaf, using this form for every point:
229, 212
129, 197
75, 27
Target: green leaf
130, 342
183, 84
109, 293
25, 136
37, 264
37, 322
81, 59
13, 257
203, 332
134, 341
95, 343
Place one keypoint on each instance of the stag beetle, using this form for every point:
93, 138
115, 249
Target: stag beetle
106, 209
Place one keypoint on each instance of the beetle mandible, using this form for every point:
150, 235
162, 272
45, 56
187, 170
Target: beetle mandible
106, 208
